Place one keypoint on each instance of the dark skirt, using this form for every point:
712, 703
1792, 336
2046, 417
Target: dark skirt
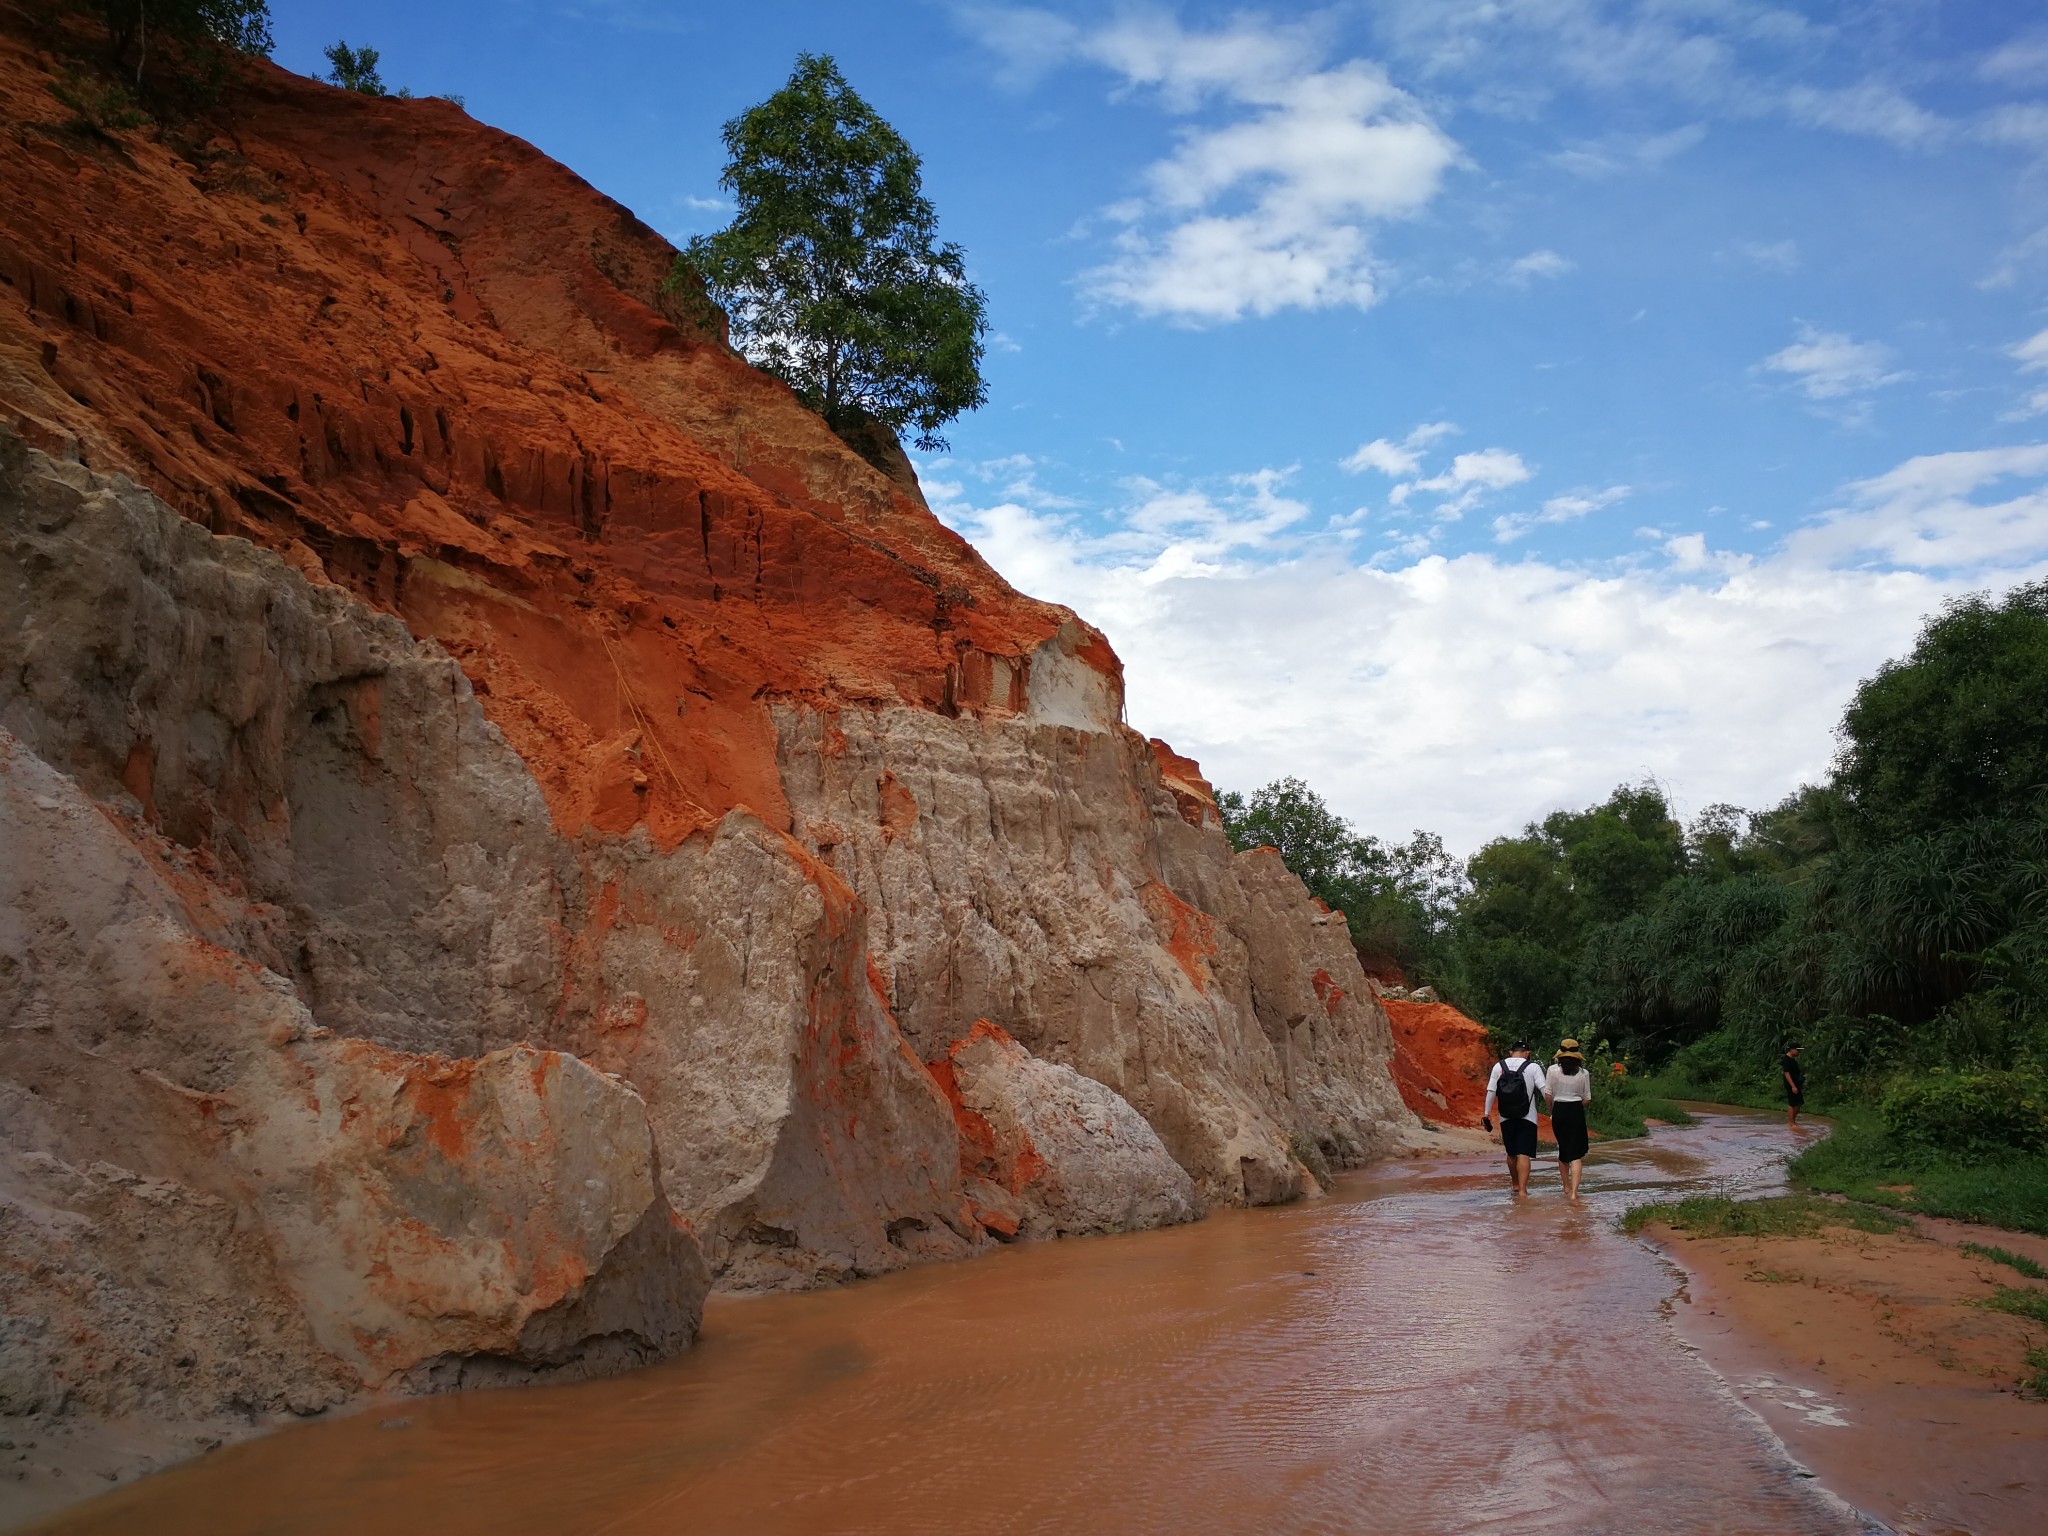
1568, 1124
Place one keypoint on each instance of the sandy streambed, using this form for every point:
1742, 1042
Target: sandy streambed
1873, 1357
1414, 1354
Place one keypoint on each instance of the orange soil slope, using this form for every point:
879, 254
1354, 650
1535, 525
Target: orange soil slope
1441, 1059
429, 364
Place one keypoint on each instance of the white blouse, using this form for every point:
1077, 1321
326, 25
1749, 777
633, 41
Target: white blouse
1575, 1089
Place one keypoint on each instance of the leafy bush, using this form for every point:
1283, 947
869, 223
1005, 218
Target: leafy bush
101, 106
1862, 1161
1967, 1117
243, 25
354, 69
1396, 897
1719, 1069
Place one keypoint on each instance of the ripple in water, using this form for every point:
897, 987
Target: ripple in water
1414, 1354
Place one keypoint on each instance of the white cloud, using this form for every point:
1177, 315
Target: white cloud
1470, 694
1827, 365
1568, 508
1777, 255
1467, 482
1273, 207
2021, 61
1926, 514
2023, 124
2032, 354
1546, 263
1871, 108
1611, 156
1396, 459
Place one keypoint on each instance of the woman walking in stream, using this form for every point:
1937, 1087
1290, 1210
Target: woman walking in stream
1569, 1087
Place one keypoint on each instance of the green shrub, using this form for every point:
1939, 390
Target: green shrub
1718, 1069
100, 106
1967, 1117
1861, 1161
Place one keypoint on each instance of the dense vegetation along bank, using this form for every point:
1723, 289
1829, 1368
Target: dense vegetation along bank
1892, 919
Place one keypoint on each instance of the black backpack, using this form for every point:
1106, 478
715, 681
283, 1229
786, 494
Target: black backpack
1511, 1093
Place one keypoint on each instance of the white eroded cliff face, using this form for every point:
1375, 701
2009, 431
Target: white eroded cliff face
1040, 877
334, 1064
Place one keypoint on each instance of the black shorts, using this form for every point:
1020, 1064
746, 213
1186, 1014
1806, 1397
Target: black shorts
1795, 1098
1518, 1137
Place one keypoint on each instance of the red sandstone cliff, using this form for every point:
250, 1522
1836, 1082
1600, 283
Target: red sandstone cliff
1441, 1060
503, 744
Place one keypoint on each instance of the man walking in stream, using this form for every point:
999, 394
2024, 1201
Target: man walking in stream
1512, 1085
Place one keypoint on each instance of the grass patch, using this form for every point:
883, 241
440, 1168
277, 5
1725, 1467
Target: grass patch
1620, 1106
2020, 1302
2018, 1261
1859, 1160
2037, 1362
1782, 1216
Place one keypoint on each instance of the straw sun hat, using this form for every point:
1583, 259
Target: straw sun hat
1568, 1048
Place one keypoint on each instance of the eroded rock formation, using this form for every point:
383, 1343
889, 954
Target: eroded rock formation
525, 820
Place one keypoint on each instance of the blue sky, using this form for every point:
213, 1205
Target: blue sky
1465, 406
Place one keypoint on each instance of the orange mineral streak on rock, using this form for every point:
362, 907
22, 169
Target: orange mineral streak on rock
899, 809
1441, 1060
1327, 990
437, 1093
1188, 932
429, 365
1193, 794
980, 1153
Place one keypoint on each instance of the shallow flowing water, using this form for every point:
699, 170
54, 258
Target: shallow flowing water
1413, 1354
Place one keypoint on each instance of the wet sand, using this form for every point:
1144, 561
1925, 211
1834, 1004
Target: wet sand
1415, 1353
1873, 1358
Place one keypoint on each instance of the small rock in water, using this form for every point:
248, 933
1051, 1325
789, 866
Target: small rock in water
394, 1423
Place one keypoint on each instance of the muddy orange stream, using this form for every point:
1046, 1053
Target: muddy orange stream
1412, 1354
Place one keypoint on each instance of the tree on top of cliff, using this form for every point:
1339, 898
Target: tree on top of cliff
354, 69
831, 272
243, 25
1397, 897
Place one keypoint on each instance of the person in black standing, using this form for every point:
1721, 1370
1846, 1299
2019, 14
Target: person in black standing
1795, 1085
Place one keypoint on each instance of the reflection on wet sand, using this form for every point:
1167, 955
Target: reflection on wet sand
1413, 1354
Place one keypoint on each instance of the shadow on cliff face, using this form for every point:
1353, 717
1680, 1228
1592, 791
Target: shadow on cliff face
508, 677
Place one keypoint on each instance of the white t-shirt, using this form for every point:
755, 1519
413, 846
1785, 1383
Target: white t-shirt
1531, 1074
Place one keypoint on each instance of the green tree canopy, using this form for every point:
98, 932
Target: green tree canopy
1396, 897
354, 69
1957, 729
1518, 933
243, 25
830, 271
